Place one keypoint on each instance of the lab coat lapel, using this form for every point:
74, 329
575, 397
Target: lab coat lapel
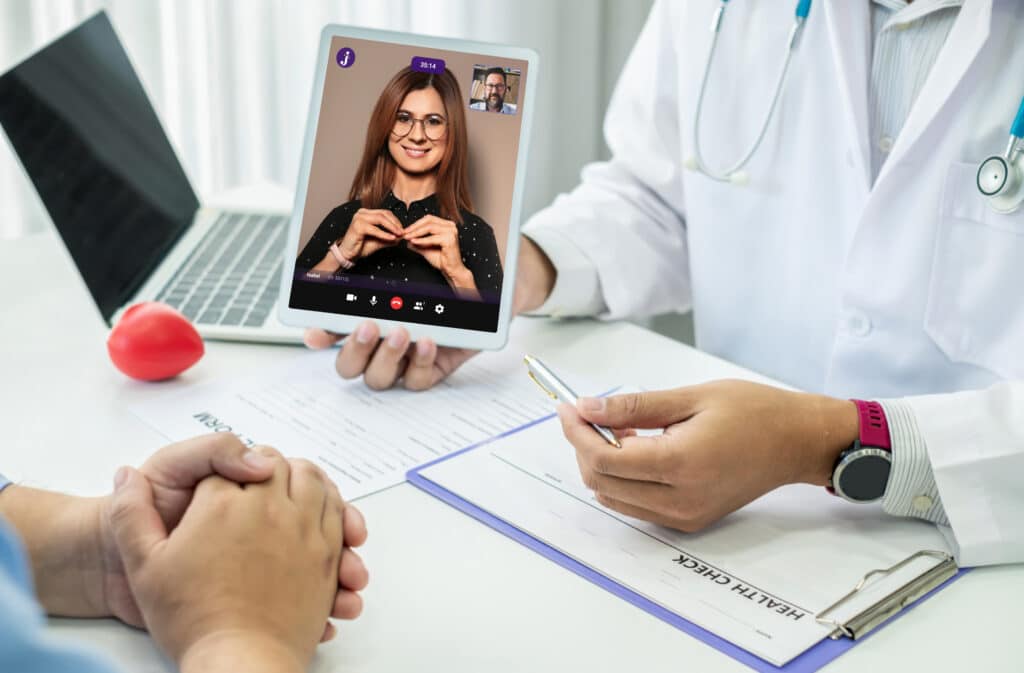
851, 53
966, 38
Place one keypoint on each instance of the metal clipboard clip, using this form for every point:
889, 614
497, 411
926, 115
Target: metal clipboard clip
865, 621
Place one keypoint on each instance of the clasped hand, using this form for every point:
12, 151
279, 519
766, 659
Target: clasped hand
435, 238
216, 549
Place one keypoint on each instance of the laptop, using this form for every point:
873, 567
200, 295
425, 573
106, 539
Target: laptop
88, 137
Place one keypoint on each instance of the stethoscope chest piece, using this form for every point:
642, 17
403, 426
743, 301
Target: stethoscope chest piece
1001, 177
1000, 181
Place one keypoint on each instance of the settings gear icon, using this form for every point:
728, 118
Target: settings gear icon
439, 308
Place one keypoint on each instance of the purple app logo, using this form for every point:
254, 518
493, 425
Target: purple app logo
346, 57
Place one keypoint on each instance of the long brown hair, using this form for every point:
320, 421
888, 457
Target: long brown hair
376, 172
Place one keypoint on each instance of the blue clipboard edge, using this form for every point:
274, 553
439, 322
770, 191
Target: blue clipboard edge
807, 662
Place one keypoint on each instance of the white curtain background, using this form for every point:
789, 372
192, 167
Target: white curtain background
231, 79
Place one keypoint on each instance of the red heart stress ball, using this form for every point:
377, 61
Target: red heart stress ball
152, 342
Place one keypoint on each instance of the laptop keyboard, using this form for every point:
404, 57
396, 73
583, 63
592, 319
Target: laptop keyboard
232, 276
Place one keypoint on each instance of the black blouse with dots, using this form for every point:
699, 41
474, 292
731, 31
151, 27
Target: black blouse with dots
476, 243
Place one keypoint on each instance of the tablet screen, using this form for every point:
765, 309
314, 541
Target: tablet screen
410, 191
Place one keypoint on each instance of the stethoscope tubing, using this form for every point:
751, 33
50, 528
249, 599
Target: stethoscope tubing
1000, 178
727, 174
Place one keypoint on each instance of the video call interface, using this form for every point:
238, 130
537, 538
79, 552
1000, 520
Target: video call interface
410, 188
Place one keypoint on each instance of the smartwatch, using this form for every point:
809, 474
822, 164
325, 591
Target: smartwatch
861, 472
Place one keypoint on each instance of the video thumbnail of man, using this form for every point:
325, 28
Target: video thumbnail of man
494, 89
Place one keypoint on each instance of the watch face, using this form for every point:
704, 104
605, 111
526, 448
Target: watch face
863, 475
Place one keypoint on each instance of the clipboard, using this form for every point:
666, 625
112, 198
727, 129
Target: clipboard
844, 635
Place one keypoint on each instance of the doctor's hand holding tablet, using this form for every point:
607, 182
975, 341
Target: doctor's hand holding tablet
423, 234
384, 360
833, 224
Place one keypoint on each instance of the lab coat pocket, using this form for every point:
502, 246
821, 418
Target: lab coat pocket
975, 311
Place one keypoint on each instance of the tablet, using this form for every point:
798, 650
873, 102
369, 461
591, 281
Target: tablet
410, 187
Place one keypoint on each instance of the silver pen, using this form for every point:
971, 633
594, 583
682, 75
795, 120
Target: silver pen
556, 389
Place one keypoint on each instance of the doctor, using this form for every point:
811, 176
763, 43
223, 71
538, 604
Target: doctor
852, 255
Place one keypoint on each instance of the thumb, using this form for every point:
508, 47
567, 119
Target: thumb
656, 409
137, 525
184, 464
318, 339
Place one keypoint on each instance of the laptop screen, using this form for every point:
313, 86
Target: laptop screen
88, 137
409, 200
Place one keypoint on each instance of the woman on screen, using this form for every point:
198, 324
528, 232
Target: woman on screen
409, 215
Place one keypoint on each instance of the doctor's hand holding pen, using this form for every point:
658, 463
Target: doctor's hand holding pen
384, 361
725, 443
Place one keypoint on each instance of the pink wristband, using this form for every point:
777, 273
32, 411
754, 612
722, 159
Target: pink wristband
874, 429
345, 262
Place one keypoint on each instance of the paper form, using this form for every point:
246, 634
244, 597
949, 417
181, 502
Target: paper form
365, 440
756, 579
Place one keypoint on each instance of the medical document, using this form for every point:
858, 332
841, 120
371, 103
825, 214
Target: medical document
366, 440
756, 579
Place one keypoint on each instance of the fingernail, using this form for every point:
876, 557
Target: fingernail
592, 404
120, 477
396, 339
423, 348
360, 520
257, 460
364, 334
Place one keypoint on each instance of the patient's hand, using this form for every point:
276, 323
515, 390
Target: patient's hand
77, 567
173, 473
248, 577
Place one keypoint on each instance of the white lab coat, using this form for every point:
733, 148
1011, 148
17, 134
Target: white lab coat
911, 287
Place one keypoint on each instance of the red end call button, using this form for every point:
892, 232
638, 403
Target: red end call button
396, 303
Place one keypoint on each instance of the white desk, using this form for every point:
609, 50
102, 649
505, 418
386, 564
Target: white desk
446, 593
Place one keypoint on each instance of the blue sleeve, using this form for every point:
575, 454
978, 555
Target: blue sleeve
4, 482
25, 646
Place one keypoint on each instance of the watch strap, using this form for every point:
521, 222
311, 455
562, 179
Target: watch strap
873, 431
874, 428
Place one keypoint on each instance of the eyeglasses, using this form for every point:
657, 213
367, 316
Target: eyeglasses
499, 85
434, 126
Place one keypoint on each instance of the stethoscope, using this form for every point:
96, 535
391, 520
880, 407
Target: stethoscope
1000, 177
735, 174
